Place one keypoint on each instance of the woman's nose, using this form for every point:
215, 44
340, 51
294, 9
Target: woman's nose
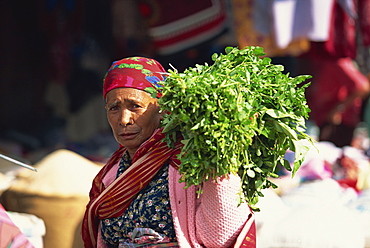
126, 118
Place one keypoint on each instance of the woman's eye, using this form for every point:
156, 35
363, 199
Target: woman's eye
113, 108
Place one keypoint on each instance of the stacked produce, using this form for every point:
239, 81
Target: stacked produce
238, 115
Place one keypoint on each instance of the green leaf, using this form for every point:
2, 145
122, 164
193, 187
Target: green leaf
274, 113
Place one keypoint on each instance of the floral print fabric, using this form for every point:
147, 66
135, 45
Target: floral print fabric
151, 209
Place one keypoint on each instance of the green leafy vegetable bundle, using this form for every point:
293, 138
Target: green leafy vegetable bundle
239, 115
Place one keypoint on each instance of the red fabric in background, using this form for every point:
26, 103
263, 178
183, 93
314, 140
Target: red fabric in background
364, 20
342, 34
162, 12
178, 25
335, 80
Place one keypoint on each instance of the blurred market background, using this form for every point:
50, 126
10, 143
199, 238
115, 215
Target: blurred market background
53, 57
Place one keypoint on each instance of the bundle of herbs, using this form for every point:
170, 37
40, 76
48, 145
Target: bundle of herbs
239, 115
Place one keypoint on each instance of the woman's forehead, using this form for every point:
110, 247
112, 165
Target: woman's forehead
129, 94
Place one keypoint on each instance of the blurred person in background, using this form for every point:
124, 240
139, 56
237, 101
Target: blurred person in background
336, 95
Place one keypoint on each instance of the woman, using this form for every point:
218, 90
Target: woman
136, 199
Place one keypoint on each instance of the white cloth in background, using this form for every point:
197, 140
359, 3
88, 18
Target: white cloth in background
301, 19
289, 20
315, 214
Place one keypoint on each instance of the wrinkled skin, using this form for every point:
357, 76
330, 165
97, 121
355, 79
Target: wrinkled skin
133, 116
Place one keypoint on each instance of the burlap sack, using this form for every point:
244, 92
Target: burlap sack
57, 193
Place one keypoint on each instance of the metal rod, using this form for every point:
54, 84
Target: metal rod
17, 162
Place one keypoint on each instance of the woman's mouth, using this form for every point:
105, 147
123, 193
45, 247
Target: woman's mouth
128, 136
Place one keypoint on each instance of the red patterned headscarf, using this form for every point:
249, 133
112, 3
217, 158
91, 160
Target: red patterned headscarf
134, 72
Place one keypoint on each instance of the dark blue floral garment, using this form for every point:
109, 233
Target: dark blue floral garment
150, 209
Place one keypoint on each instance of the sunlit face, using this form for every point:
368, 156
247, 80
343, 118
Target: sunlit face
133, 116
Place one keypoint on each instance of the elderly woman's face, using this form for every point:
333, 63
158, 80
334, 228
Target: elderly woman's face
133, 116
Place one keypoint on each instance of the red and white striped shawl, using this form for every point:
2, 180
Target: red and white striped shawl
113, 200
